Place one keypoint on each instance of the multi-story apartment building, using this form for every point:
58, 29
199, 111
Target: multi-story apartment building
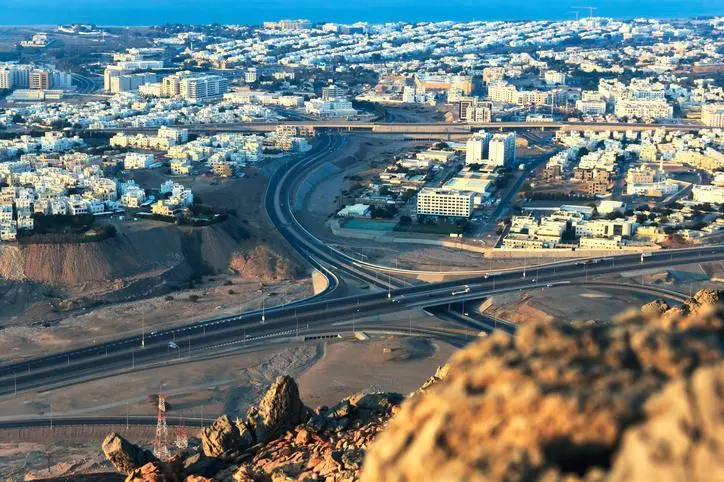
171, 85
203, 87
501, 91
553, 77
477, 147
333, 92
39, 80
642, 174
712, 115
591, 106
439, 202
250, 76
644, 109
502, 150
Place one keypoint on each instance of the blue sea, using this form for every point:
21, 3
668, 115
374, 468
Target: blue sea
252, 12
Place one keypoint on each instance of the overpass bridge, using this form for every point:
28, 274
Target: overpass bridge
429, 128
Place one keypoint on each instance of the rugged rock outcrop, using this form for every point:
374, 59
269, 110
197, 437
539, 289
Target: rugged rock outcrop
330, 447
220, 437
153, 472
683, 435
279, 410
655, 309
556, 402
125, 456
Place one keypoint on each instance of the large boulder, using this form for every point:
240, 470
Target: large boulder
203, 466
655, 308
682, 437
554, 403
153, 472
125, 456
280, 410
221, 437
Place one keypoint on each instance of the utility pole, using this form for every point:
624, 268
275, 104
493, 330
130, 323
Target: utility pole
263, 317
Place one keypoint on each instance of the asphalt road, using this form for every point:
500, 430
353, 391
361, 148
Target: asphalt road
312, 317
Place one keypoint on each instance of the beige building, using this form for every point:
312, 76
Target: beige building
713, 115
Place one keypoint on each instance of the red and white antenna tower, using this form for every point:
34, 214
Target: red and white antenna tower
160, 444
182, 435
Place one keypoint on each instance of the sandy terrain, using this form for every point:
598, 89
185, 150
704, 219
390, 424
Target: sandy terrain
216, 298
573, 302
391, 364
354, 159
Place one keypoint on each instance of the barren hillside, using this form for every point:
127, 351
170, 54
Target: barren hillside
146, 257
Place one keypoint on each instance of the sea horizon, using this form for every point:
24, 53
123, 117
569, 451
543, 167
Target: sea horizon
137, 13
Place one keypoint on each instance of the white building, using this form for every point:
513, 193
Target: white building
439, 202
591, 106
644, 109
477, 148
137, 160
203, 87
654, 189
605, 228
502, 150
330, 108
355, 211
178, 136
708, 194
553, 77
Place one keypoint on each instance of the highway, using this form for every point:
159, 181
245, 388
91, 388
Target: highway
441, 128
326, 316
314, 316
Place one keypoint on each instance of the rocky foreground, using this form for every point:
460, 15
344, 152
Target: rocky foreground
639, 398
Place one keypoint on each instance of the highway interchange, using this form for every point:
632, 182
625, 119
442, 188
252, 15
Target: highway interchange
328, 314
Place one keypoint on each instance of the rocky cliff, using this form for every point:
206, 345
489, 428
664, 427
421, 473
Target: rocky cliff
637, 399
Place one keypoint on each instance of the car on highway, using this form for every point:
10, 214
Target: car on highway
466, 289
